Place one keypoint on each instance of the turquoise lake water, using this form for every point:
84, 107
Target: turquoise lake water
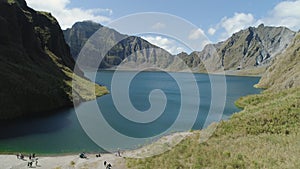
62, 132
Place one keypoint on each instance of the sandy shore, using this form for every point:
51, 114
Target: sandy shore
74, 162
63, 162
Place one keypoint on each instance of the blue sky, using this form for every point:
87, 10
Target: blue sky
217, 19
203, 13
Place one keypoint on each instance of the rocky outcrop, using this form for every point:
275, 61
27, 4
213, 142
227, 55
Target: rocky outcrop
284, 73
246, 49
36, 65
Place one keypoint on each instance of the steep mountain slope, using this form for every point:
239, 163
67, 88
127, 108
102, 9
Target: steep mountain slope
284, 73
77, 36
246, 49
265, 134
250, 50
36, 67
130, 50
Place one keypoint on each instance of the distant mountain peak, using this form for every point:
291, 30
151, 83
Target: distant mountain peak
122, 46
87, 23
261, 26
247, 49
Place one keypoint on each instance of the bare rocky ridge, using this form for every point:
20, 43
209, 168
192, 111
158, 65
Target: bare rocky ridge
284, 73
246, 49
252, 48
131, 51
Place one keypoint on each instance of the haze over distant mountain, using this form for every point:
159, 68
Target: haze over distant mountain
36, 67
247, 49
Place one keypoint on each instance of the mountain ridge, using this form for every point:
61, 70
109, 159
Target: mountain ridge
251, 138
247, 50
36, 67
121, 48
284, 72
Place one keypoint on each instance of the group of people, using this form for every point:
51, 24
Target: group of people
98, 155
31, 159
82, 155
107, 165
20, 156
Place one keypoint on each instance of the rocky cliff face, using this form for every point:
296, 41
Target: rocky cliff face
246, 49
77, 36
254, 46
131, 51
36, 67
137, 53
284, 72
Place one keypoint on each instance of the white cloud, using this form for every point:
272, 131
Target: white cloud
168, 44
285, 13
236, 23
158, 26
211, 31
196, 34
68, 16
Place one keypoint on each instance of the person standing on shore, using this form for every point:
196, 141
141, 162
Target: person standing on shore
119, 153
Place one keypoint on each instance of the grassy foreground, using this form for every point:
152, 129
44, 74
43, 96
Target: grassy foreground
264, 135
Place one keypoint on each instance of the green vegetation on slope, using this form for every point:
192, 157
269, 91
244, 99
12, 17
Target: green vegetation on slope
264, 135
36, 68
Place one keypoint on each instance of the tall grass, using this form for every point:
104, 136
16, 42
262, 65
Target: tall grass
264, 135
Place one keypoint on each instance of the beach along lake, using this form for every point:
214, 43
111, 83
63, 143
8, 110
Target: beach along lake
62, 132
